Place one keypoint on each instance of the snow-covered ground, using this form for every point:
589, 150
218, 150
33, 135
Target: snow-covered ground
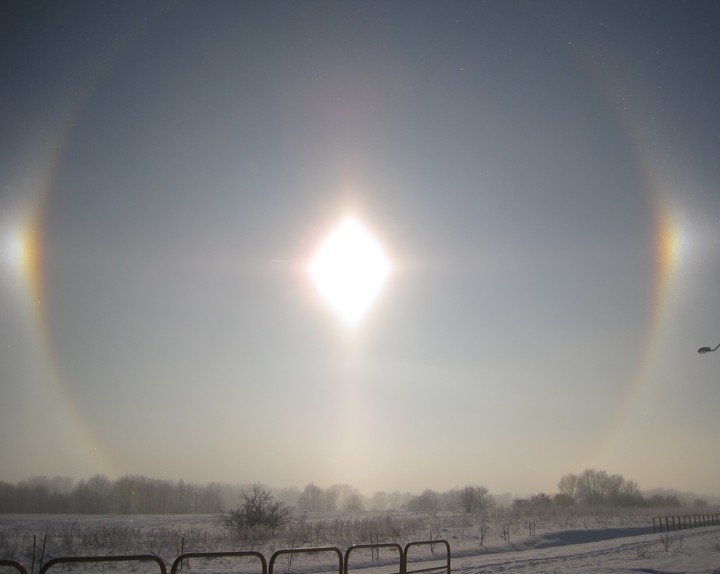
626, 551
580, 544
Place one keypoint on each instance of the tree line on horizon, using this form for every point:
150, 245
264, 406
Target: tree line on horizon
100, 495
596, 488
142, 495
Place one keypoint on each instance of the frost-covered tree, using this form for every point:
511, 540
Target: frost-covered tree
568, 485
258, 509
594, 487
428, 501
311, 499
474, 499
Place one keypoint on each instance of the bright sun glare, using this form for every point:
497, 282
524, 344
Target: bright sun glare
349, 269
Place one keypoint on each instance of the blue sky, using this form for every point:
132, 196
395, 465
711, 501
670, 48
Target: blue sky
543, 177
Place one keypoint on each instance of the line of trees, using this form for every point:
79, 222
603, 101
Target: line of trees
100, 495
338, 497
471, 499
598, 488
595, 488
142, 495
132, 494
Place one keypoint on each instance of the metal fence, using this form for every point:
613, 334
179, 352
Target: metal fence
420, 565
684, 521
180, 560
12, 564
134, 558
375, 551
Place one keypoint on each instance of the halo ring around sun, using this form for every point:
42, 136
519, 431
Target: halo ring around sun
665, 238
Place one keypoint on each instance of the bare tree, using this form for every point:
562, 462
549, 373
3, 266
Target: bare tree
311, 499
568, 485
329, 500
258, 509
596, 487
474, 499
428, 501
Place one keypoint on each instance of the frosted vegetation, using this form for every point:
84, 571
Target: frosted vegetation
502, 540
594, 518
142, 495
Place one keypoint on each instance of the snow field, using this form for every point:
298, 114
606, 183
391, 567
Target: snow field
562, 544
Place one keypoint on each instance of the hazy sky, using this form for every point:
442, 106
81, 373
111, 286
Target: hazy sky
544, 177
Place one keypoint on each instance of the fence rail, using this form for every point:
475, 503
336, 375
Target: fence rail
94, 559
267, 566
177, 564
319, 550
12, 564
684, 521
431, 544
375, 550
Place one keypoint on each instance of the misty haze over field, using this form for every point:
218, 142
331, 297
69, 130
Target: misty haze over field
591, 491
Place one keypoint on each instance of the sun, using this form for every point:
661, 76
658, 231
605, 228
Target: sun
349, 270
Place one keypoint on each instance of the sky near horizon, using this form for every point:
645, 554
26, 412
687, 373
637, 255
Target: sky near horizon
543, 178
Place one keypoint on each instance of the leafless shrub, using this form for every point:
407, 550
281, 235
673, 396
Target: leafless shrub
483, 531
641, 549
666, 540
258, 515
